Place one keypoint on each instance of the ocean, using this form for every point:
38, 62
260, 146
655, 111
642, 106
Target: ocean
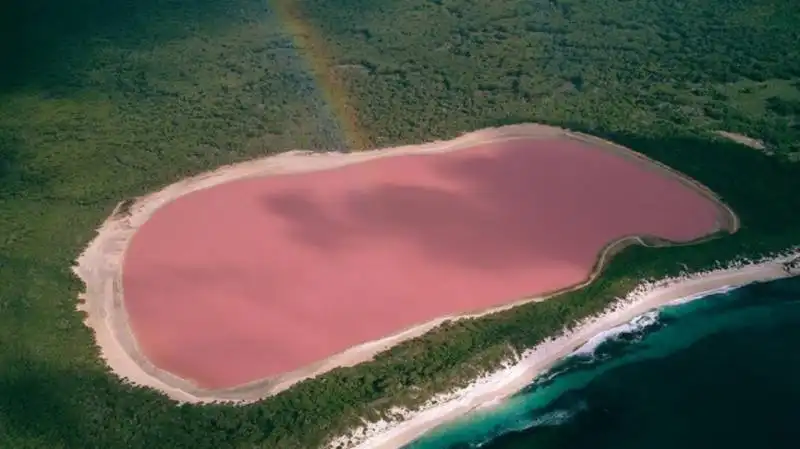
722, 371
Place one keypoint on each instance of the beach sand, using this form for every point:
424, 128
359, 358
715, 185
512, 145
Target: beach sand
492, 389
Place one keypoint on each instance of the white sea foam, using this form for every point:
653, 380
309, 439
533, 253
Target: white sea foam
691, 298
557, 417
637, 324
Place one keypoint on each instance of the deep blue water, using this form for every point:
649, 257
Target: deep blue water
719, 372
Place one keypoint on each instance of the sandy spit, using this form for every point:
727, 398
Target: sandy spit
100, 265
744, 140
515, 375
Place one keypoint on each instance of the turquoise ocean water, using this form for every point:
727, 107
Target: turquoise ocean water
719, 372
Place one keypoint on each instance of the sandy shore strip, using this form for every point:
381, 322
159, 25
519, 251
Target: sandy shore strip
745, 140
514, 376
100, 265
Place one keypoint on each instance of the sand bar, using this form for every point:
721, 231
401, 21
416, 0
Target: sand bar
744, 140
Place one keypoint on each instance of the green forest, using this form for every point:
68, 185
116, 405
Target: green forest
102, 101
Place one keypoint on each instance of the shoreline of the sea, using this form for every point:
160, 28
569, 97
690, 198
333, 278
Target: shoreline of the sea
492, 389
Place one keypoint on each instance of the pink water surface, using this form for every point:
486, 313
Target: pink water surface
260, 277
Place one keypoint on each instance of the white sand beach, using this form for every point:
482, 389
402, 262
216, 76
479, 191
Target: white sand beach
492, 389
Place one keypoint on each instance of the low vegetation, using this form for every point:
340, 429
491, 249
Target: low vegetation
103, 101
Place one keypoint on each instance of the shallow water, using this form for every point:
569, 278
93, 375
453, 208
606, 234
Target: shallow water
719, 372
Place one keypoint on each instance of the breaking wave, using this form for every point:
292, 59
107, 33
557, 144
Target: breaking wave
630, 332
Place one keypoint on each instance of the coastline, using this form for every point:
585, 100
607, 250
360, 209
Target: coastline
492, 388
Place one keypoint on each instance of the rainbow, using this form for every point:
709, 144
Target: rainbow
311, 47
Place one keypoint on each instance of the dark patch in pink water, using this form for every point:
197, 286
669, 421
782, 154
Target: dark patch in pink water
259, 277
